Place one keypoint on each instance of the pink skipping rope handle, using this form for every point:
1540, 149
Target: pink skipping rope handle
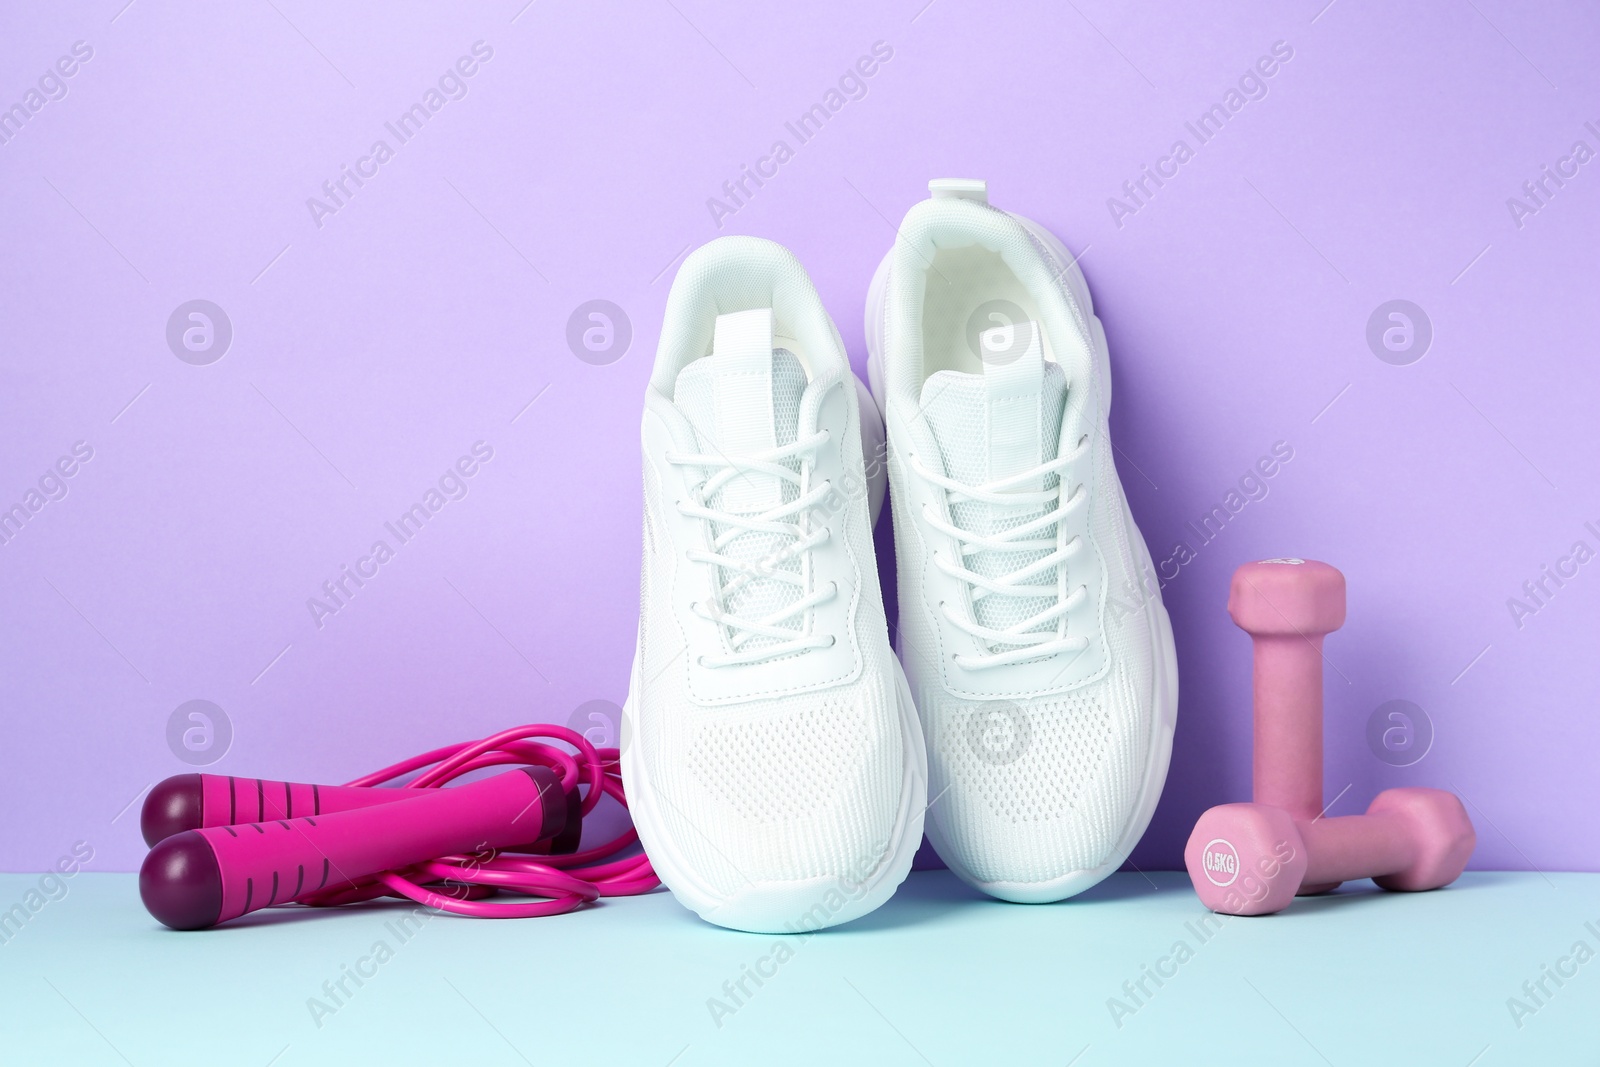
384, 843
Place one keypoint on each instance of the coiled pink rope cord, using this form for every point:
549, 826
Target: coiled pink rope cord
563, 882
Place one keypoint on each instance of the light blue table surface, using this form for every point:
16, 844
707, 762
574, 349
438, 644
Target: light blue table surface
937, 976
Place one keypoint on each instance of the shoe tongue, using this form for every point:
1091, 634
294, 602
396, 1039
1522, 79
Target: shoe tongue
744, 400
1002, 421
991, 425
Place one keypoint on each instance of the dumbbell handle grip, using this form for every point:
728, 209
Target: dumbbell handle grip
1287, 765
1352, 847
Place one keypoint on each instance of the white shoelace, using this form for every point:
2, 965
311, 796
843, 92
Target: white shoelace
1024, 640
791, 521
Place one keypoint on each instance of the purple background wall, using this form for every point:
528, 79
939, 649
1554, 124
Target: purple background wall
374, 345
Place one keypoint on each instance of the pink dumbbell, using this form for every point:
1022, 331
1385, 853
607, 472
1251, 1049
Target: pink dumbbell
1252, 859
1287, 606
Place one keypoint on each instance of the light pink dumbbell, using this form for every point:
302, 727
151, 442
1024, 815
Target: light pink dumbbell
1288, 606
1252, 859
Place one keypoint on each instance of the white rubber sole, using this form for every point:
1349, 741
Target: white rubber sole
1165, 697
799, 906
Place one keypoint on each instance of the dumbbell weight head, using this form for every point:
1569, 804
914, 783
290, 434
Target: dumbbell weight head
1442, 832
1287, 597
1246, 859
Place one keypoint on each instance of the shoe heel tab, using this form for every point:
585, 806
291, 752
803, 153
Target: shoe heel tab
975, 189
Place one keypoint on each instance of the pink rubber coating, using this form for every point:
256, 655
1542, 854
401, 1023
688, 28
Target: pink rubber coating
1252, 859
272, 862
1287, 606
1245, 859
1436, 824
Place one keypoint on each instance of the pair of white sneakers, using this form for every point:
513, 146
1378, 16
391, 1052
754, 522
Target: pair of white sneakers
781, 763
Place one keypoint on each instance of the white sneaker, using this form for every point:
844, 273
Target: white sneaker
773, 761
1031, 623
